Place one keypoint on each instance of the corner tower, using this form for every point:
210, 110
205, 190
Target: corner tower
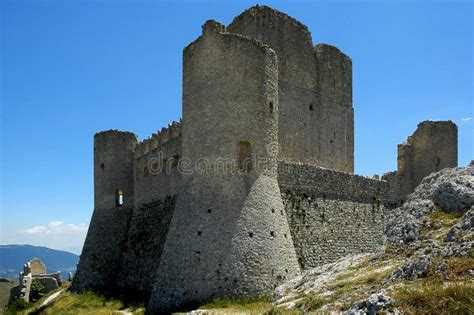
229, 236
316, 118
113, 204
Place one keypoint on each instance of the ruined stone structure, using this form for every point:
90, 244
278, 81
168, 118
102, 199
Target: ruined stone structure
34, 269
253, 185
432, 147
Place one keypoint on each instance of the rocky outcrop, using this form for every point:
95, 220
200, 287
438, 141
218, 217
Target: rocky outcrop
449, 190
373, 304
449, 193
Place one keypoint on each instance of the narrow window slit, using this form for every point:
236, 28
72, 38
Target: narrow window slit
118, 198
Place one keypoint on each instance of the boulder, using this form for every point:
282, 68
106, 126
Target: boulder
450, 190
373, 304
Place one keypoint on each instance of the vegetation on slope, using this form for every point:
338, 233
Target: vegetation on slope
73, 303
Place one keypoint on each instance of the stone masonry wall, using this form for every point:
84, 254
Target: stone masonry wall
331, 214
142, 253
155, 166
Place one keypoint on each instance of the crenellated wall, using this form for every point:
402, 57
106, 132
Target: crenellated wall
155, 166
316, 119
331, 213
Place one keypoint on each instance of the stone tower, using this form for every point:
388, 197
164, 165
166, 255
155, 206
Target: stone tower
316, 118
229, 235
113, 205
432, 147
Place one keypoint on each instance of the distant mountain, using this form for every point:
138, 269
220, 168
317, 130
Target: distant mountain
12, 258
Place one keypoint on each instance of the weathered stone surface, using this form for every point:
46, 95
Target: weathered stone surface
375, 303
413, 269
453, 196
49, 283
421, 154
315, 114
37, 267
451, 189
227, 234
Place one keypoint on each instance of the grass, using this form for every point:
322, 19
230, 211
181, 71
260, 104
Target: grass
366, 279
458, 266
447, 219
253, 305
258, 306
78, 303
434, 297
5, 286
89, 303
312, 302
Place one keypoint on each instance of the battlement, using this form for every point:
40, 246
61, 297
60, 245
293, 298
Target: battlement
213, 26
158, 140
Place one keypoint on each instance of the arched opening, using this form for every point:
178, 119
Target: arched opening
118, 198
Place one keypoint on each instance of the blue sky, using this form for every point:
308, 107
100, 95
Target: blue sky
70, 68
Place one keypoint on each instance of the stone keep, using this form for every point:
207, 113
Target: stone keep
226, 234
254, 184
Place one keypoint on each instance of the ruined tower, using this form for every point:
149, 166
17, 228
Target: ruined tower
229, 235
432, 147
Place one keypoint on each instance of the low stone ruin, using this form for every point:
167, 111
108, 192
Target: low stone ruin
34, 269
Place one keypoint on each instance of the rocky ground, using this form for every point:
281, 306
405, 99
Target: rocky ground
427, 265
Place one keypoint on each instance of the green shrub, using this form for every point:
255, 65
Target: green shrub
15, 306
37, 290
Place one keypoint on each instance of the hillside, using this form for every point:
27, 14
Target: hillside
12, 258
5, 286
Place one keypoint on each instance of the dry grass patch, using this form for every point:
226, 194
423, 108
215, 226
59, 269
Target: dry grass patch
458, 266
85, 303
312, 302
436, 298
447, 219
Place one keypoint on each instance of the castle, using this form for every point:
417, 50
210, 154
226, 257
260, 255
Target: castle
255, 184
